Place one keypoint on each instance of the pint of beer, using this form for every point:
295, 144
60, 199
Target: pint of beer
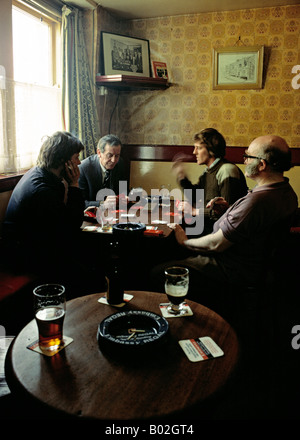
49, 310
176, 288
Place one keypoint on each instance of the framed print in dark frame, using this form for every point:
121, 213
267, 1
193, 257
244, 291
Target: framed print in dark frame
238, 67
124, 55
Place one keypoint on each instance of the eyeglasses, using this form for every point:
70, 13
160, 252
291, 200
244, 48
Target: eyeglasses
247, 156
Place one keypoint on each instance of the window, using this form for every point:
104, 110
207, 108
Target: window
31, 48
30, 105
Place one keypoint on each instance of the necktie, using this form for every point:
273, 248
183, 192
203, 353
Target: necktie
106, 179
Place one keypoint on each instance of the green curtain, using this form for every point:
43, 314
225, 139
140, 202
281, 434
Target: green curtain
78, 99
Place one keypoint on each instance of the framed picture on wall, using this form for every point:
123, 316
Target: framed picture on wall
238, 67
159, 69
122, 55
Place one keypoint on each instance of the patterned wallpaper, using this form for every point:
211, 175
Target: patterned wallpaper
185, 43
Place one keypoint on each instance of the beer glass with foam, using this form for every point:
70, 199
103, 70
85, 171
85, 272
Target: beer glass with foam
49, 311
176, 288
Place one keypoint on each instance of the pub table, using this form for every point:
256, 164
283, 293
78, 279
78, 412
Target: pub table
89, 383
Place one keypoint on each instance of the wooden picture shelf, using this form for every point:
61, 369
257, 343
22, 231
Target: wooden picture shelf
127, 82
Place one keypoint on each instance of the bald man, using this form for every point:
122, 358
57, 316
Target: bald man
243, 238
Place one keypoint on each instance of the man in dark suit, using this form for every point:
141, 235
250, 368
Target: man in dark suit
104, 170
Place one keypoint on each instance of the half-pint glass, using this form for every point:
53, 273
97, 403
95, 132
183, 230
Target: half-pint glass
49, 311
176, 288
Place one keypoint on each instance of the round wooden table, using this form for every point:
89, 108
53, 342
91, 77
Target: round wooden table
81, 380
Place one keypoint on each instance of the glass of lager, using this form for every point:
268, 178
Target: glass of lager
49, 312
176, 288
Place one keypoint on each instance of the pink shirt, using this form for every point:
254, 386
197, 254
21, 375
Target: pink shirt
254, 224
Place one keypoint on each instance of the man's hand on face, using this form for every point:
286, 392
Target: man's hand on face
72, 173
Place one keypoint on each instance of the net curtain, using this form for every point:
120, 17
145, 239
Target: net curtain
78, 99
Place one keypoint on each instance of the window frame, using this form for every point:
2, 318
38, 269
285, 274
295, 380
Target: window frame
55, 29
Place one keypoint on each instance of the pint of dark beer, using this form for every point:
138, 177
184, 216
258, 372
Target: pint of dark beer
49, 310
176, 288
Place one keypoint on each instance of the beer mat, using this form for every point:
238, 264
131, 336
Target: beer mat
153, 232
166, 314
90, 228
159, 222
173, 214
90, 214
5, 342
127, 215
126, 299
105, 230
200, 349
34, 346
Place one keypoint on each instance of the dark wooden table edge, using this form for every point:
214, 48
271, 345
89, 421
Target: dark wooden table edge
46, 411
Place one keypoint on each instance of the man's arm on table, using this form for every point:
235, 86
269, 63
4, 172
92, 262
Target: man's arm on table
215, 242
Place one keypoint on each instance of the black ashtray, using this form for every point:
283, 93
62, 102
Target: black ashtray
134, 331
128, 229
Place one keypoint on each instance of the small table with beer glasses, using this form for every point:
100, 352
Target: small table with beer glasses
84, 382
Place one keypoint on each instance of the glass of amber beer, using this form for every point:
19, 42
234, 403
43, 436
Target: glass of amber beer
49, 311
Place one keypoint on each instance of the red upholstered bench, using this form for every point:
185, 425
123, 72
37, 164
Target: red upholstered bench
15, 300
295, 230
11, 283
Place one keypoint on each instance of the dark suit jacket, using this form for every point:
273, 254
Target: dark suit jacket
90, 180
